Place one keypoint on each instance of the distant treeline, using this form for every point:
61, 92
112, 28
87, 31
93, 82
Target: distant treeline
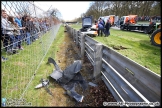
123, 8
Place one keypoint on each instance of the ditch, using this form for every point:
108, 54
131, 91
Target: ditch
94, 96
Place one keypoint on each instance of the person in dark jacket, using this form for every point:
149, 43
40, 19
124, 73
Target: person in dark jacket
107, 28
103, 22
100, 27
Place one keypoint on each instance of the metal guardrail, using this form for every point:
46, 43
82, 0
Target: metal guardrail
127, 80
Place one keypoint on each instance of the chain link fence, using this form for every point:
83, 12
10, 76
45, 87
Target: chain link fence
27, 33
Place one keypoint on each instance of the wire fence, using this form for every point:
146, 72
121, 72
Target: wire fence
27, 33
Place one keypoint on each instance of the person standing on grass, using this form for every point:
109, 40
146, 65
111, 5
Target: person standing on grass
100, 27
107, 28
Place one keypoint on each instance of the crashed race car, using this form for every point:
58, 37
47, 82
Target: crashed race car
87, 27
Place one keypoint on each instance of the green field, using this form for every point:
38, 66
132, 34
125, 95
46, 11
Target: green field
138, 45
21, 68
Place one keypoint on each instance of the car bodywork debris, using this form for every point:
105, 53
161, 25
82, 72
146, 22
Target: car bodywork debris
69, 78
92, 84
44, 83
70, 90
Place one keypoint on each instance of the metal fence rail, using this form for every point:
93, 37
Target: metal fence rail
127, 80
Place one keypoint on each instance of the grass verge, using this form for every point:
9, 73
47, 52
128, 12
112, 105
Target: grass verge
19, 68
137, 47
40, 97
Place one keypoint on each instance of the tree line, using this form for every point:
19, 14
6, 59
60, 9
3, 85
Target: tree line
122, 8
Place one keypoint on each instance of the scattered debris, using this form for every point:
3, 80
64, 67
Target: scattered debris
70, 90
69, 78
116, 48
146, 66
119, 47
96, 96
92, 84
89, 97
44, 83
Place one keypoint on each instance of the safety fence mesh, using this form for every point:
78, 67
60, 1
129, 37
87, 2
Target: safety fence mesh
27, 33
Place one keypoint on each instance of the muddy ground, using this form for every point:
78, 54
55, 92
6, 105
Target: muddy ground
93, 96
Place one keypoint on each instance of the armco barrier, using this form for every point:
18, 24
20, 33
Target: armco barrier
127, 80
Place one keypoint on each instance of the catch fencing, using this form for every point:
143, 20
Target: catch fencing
127, 80
19, 66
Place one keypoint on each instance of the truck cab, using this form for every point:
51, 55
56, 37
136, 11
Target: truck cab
131, 19
130, 23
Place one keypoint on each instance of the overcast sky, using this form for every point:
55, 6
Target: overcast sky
68, 9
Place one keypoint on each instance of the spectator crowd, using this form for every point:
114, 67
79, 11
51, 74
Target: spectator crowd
18, 29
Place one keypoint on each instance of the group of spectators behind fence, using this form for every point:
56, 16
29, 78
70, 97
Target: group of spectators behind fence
17, 29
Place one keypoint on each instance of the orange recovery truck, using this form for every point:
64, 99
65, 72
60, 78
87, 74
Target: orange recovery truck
112, 18
153, 28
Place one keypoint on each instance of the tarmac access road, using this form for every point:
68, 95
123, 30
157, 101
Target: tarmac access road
115, 27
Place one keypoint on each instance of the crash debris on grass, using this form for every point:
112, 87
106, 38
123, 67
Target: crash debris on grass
68, 79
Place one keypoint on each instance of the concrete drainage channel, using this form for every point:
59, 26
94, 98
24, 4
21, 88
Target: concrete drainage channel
97, 92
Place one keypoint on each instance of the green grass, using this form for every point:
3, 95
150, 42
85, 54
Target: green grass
42, 97
139, 47
76, 26
19, 68
44, 71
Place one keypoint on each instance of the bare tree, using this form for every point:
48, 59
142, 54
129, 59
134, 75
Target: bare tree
123, 8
